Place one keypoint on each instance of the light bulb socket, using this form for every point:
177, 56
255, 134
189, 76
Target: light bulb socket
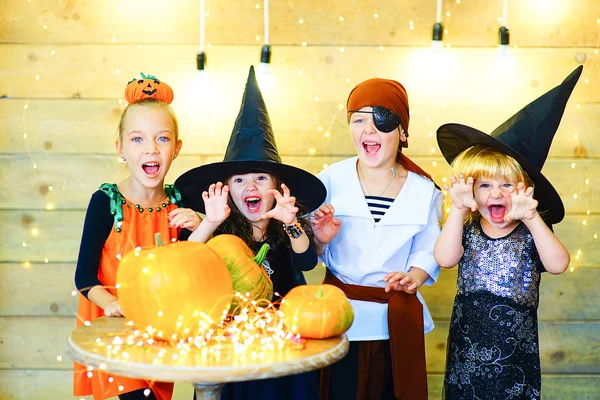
200, 61
438, 32
504, 36
265, 54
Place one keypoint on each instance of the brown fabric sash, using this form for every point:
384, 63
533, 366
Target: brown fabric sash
407, 337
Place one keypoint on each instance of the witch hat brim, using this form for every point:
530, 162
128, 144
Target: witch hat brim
251, 148
307, 188
526, 137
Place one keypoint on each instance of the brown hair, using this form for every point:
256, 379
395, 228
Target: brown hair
237, 224
148, 102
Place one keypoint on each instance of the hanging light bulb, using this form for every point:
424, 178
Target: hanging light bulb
505, 61
265, 54
438, 29
503, 33
201, 56
265, 79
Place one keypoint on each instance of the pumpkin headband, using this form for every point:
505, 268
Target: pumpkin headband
148, 86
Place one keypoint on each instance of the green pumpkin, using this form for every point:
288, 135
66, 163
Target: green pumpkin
245, 268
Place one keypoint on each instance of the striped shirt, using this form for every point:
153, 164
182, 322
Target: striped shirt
378, 206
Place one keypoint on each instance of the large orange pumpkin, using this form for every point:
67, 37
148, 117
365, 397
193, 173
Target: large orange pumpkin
148, 86
317, 311
174, 288
245, 268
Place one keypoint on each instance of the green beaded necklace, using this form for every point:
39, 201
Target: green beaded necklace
117, 201
150, 209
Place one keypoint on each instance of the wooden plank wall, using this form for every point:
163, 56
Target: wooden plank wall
64, 68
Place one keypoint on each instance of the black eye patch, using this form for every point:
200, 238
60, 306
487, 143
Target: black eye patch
385, 119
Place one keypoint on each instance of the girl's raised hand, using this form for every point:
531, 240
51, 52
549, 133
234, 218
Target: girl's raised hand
461, 192
215, 203
524, 206
285, 210
184, 218
324, 224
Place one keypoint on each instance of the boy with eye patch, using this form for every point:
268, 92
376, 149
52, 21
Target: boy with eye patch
375, 234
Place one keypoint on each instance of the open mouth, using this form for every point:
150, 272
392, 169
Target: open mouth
149, 92
151, 168
497, 212
371, 148
253, 203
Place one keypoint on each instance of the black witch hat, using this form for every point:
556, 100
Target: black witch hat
251, 148
526, 136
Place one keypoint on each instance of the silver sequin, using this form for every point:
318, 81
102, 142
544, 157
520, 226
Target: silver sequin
507, 267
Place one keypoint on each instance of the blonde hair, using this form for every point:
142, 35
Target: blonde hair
148, 102
481, 161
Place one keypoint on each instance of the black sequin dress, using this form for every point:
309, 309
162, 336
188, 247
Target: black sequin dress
493, 341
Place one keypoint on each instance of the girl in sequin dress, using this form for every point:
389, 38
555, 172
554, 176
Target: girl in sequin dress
501, 238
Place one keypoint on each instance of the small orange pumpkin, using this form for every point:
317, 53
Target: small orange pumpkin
174, 287
148, 86
245, 268
317, 311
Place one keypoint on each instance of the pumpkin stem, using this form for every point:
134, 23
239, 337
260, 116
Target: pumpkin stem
320, 293
262, 254
157, 241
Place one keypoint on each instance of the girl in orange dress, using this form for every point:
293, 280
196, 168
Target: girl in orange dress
123, 216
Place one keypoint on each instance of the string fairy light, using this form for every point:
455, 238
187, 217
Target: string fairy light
255, 329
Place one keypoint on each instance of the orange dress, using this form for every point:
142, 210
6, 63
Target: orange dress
135, 229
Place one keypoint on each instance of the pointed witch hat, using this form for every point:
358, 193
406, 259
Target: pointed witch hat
526, 136
251, 148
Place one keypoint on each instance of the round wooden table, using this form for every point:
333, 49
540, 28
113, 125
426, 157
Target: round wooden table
206, 373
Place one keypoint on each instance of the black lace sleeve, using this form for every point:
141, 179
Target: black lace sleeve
96, 228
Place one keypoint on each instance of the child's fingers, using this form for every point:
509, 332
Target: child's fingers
394, 276
406, 280
218, 188
276, 194
412, 286
173, 213
205, 195
470, 180
286, 190
529, 191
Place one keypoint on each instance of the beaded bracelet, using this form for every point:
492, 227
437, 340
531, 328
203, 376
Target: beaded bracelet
294, 231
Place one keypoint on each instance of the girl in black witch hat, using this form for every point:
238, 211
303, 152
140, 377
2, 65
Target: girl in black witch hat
499, 235
249, 195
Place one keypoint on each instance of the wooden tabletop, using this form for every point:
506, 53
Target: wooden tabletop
195, 367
